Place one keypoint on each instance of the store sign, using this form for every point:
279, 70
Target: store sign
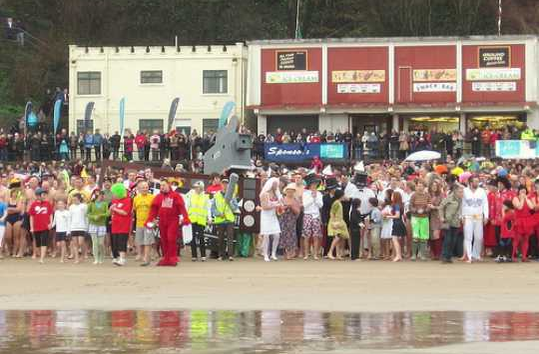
498, 57
435, 75
296, 60
358, 88
494, 86
517, 149
358, 76
291, 77
435, 87
301, 152
493, 74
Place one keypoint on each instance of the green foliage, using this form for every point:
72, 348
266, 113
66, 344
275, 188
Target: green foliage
57, 23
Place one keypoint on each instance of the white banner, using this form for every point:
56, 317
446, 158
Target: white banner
435, 87
491, 74
291, 77
494, 86
358, 88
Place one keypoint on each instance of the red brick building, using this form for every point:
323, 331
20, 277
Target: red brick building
380, 84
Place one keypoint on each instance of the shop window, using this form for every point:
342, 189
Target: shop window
210, 126
151, 77
184, 130
215, 81
151, 125
430, 123
84, 126
496, 121
89, 83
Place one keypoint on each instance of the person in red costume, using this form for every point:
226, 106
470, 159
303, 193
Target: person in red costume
168, 206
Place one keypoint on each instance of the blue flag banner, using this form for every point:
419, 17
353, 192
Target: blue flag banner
27, 111
32, 119
88, 115
172, 113
302, 152
225, 113
122, 116
57, 115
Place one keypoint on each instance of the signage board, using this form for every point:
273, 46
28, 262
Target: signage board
302, 152
517, 149
291, 77
358, 88
292, 60
494, 57
491, 74
435, 87
508, 86
358, 76
435, 75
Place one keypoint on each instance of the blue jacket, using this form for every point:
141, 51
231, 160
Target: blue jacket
98, 140
88, 141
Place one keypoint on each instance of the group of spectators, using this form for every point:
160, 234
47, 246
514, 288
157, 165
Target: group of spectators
397, 145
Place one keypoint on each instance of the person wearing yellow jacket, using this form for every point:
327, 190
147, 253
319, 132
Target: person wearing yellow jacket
199, 209
223, 219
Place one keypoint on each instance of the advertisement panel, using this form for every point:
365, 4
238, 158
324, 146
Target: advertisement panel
494, 57
291, 60
301, 152
291, 77
517, 149
435, 75
358, 76
435, 87
492, 74
494, 86
358, 88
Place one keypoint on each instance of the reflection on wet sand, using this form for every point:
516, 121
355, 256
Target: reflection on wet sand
263, 331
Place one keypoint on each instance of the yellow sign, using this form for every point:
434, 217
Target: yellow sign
359, 76
435, 75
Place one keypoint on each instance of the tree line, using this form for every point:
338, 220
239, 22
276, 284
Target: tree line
25, 73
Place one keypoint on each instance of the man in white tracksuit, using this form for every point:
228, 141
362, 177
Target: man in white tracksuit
475, 216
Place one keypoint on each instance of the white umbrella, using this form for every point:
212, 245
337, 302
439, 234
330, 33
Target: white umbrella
424, 155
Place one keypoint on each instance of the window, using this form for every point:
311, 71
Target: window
89, 83
185, 130
151, 77
210, 125
83, 128
151, 125
215, 81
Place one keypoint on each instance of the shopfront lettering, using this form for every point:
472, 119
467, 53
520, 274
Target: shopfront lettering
499, 57
491, 74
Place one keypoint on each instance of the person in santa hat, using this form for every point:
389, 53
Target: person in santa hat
168, 206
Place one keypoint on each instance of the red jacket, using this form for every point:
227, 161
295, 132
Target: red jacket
168, 206
41, 213
140, 140
121, 224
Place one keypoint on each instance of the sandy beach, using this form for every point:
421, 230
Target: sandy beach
251, 284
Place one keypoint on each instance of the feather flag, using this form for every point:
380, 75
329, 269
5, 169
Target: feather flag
27, 111
57, 115
88, 115
122, 116
172, 112
225, 113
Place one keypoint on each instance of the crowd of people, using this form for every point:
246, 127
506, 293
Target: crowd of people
391, 211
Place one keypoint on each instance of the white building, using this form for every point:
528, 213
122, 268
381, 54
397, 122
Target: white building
205, 78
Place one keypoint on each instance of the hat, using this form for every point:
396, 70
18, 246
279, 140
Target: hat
290, 186
331, 183
40, 191
312, 179
502, 172
441, 169
198, 184
224, 180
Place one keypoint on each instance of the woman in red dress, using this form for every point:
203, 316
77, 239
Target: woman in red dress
524, 224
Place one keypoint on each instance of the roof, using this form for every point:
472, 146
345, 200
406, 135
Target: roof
384, 40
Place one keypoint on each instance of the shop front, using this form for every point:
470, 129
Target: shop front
496, 121
377, 123
431, 122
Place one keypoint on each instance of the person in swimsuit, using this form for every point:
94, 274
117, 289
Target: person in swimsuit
14, 244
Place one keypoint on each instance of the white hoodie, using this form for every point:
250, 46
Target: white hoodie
61, 220
78, 218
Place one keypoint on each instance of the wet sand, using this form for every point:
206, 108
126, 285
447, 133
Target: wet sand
248, 284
